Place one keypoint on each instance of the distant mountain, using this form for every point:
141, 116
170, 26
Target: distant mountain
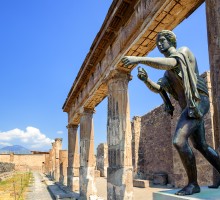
16, 149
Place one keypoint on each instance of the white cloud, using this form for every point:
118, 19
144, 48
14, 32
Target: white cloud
5, 144
32, 138
59, 132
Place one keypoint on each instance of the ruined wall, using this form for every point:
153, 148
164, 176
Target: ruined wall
156, 152
63, 159
25, 162
102, 159
6, 167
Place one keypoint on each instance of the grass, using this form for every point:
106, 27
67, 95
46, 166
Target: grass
13, 188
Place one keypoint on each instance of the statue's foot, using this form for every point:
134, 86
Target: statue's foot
215, 186
189, 190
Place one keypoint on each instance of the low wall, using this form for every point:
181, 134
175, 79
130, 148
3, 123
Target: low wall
24, 162
6, 167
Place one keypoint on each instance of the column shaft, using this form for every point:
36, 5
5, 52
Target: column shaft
87, 162
119, 173
213, 29
73, 158
58, 147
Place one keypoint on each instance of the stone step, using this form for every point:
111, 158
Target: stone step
141, 183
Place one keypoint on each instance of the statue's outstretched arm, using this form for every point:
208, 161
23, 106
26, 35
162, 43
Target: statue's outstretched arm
142, 75
158, 63
154, 87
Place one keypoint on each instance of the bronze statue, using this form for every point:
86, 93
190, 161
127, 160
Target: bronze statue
181, 80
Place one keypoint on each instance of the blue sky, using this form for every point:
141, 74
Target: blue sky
42, 46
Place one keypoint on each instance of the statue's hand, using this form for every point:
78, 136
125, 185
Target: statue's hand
169, 109
142, 74
129, 60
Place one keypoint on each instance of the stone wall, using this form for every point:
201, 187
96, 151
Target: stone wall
155, 149
26, 162
156, 153
6, 167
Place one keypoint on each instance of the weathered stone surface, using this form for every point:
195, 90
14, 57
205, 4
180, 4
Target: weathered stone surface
87, 182
6, 167
160, 179
58, 147
119, 172
25, 162
73, 158
213, 32
97, 173
135, 129
141, 183
63, 158
102, 159
87, 161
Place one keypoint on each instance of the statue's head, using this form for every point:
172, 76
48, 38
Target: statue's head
165, 40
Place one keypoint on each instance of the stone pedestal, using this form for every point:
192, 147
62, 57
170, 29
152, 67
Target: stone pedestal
205, 194
87, 162
73, 158
119, 173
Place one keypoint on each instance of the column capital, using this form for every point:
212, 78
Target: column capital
58, 139
72, 126
118, 74
84, 110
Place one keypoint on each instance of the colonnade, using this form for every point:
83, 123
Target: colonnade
119, 172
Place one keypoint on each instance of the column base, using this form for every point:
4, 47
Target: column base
119, 183
87, 183
73, 179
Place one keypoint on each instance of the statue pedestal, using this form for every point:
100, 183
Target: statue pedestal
205, 194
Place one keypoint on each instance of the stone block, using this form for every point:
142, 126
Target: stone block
160, 179
97, 173
141, 183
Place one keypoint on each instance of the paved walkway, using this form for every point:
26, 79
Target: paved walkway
139, 193
41, 185
38, 189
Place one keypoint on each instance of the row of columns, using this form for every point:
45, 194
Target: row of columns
119, 172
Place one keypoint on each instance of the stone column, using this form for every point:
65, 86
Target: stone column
73, 158
102, 159
119, 173
53, 161
63, 166
213, 29
136, 133
87, 162
58, 147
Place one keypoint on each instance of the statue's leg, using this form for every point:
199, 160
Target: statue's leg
199, 143
185, 127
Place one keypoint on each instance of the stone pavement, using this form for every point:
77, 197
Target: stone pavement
38, 189
41, 185
139, 193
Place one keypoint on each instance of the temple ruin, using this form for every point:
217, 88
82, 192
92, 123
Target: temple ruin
129, 28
